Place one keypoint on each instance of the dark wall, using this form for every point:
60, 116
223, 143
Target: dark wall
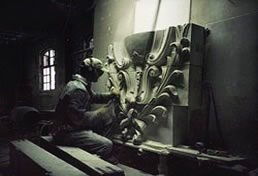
11, 74
231, 70
80, 34
19, 75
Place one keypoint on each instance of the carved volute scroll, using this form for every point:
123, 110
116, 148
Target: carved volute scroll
150, 72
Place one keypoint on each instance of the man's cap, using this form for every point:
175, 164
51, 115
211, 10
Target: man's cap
95, 63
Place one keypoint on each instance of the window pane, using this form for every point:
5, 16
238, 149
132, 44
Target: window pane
53, 85
45, 60
47, 86
52, 61
52, 53
44, 87
48, 79
53, 73
45, 71
44, 79
48, 82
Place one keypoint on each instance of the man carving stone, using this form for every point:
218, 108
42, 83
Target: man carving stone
77, 123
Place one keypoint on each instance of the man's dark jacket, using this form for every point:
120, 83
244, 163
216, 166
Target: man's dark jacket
74, 105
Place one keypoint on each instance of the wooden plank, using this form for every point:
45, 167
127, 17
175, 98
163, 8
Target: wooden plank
28, 157
90, 164
95, 163
159, 148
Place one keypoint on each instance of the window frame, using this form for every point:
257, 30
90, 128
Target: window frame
46, 53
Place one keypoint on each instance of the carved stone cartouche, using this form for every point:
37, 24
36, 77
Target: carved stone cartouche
149, 72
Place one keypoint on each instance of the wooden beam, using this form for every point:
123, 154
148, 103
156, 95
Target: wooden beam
28, 159
89, 163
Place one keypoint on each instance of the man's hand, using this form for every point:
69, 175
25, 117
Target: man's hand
115, 91
101, 111
107, 110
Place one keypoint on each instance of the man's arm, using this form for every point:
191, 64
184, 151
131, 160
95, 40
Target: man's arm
101, 98
105, 97
78, 114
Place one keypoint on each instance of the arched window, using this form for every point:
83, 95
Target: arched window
48, 70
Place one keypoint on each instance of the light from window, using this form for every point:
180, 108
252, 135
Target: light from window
160, 14
48, 70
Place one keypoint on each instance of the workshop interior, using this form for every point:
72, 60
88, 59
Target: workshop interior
186, 71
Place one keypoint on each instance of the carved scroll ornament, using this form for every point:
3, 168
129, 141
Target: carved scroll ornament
149, 74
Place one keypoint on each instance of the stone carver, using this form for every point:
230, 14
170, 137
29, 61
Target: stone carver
77, 124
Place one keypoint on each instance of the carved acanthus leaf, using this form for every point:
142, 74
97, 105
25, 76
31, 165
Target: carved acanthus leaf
160, 111
150, 75
149, 79
172, 91
176, 79
163, 99
160, 47
122, 60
